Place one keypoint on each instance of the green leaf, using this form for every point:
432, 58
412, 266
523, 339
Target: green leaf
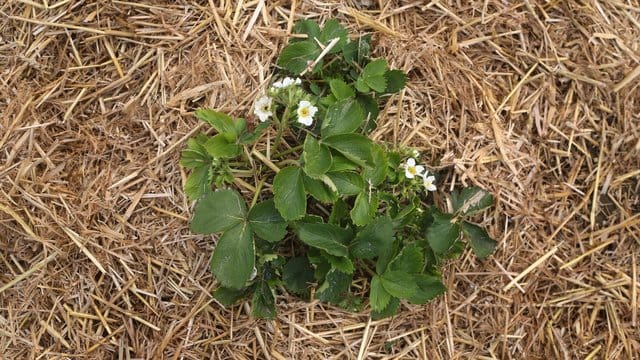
341, 163
295, 57
234, 257
410, 260
343, 117
471, 200
371, 111
399, 283
219, 147
390, 310
328, 237
364, 208
396, 80
288, 193
442, 234
308, 27
266, 221
481, 243
195, 155
429, 287
362, 86
319, 190
385, 257
218, 211
354, 147
357, 50
347, 182
198, 183
317, 157
340, 89
333, 29
339, 212
378, 296
341, 263
335, 287
228, 296
373, 75
377, 173
264, 303
373, 239
223, 123
297, 275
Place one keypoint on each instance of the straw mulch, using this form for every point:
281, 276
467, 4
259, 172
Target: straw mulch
536, 101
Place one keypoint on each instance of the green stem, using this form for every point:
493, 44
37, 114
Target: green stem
257, 193
282, 124
287, 152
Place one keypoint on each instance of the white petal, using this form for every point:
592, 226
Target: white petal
408, 174
307, 120
411, 162
303, 103
419, 169
312, 110
298, 81
432, 187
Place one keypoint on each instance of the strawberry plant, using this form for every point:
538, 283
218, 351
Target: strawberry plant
328, 205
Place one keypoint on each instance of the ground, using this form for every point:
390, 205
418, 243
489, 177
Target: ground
536, 101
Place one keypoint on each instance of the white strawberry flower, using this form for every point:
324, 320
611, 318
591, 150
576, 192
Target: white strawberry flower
411, 169
306, 111
262, 108
286, 82
428, 181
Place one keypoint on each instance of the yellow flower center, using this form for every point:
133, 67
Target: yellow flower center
304, 112
412, 170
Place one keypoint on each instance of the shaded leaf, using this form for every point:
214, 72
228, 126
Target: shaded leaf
378, 296
297, 275
295, 57
354, 147
429, 287
399, 283
263, 305
335, 287
198, 182
288, 193
319, 190
410, 260
266, 222
234, 257
481, 243
346, 182
396, 80
364, 208
373, 239
442, 234
228, 296
317, 157
377, 173
328, 237
343, 117
471, 200
333, 29
390, 310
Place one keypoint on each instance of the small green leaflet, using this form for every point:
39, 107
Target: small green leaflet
373, 239
377, 173
297, 275
481, 243
317, 157
364, 208
341, 263
195, 155
378, 296
471, 200
343, 117
263, 303
328, 237
335, 287
228, 296
429, 287
308, 27
341, 90
442, 234
266, 221
410, 260
218, 211
390, 310
234, 257
399, 283
346, 182
396, 80
288, 193
319, 190
373, 76
296, 57
219, 147
354, 147
222, 122
333, 29
198, 182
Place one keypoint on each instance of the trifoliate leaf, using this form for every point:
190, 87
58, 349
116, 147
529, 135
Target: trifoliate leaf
373, 239
218, 147
390, 310
354, 147
333, 29
481, 243
328, 237
288, 193
266, 222
198, 182
471, 200
319, 190
296, 57
234, 257
396, 80
297, 275
347, 182
364, 208
410, 260
399, 283
317, 157
442, 234
373, 75
218, 211
335, 287
341, 90
263, 304
429, 287
222, 122
343, 117
378, 296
